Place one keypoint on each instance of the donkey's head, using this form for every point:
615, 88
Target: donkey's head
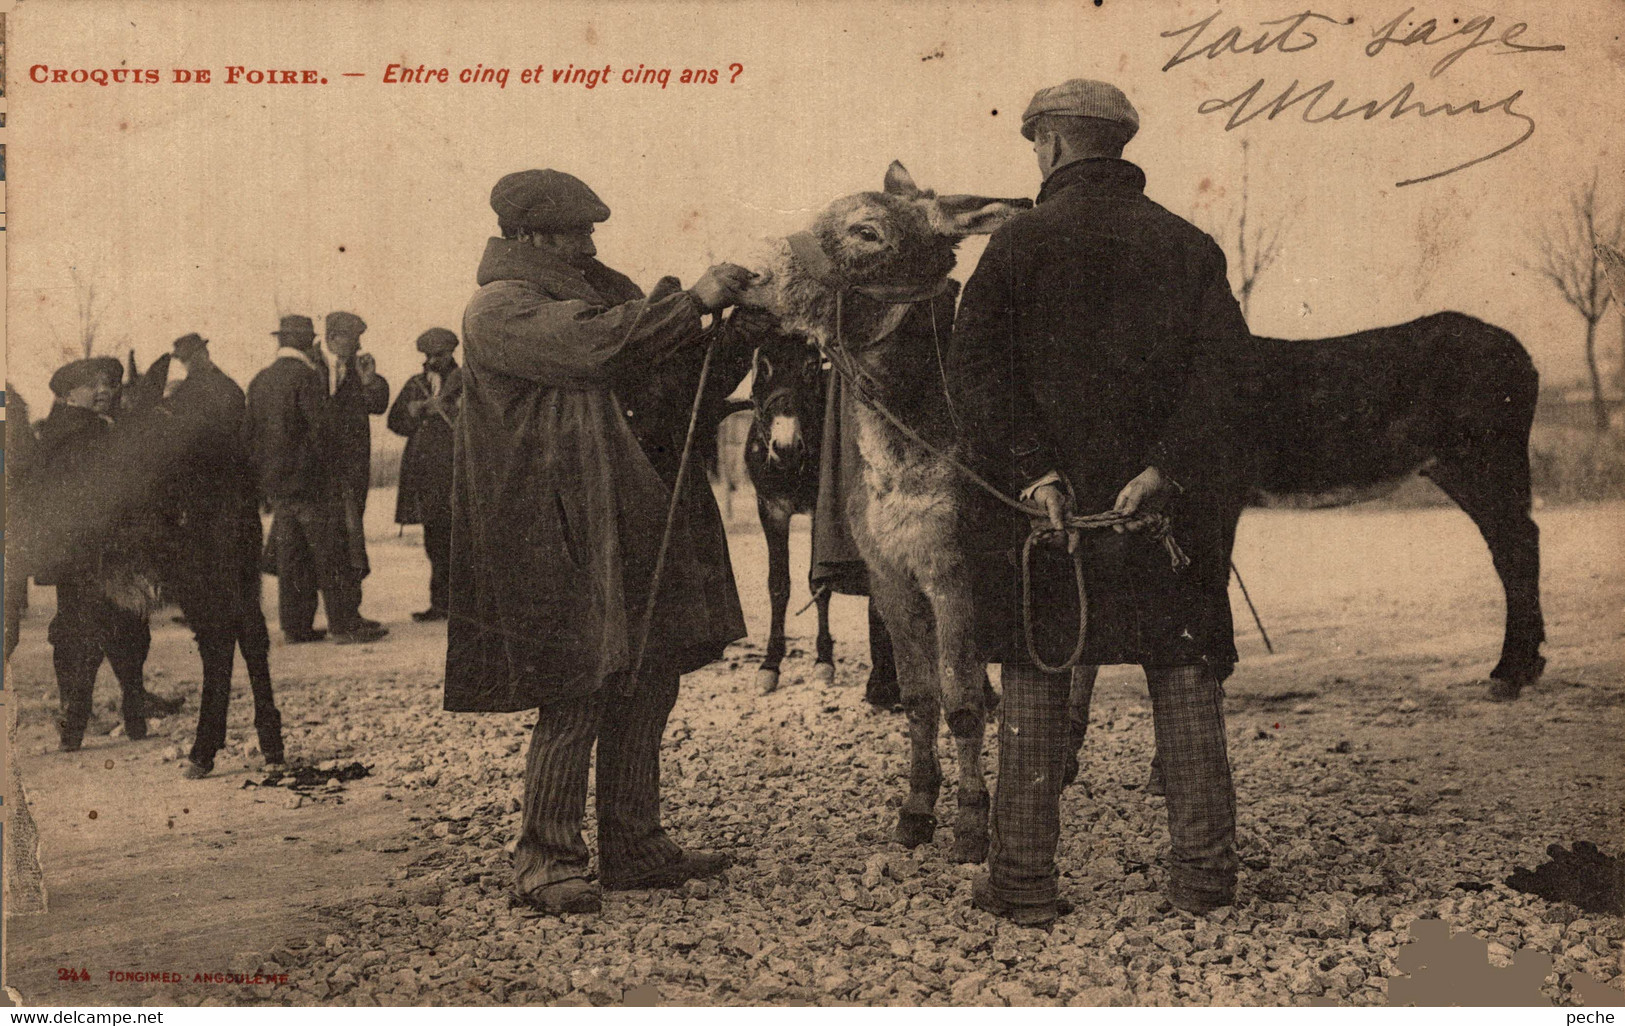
868, 255
786, 394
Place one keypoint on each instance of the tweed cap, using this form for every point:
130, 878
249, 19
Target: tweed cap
436, 340
346, 324
186, 345
546, 201
79, 373
296, 326
1081, 98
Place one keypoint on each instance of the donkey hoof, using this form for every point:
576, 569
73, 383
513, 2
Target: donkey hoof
823, 674
970, 846
915, 828
767, 681
1503, 690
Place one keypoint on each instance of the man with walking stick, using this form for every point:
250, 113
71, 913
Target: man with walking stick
559, 516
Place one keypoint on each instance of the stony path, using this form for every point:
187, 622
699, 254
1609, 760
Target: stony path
1376, 787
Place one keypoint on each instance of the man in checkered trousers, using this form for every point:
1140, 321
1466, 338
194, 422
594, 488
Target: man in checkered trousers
1097, 356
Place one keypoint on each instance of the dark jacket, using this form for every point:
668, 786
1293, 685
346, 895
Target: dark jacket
82, 513
424, 492
1098, 337
211, 517
557, 511
286, 418
349, 429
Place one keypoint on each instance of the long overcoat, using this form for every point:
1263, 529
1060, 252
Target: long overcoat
556, 510
424, 492
1097, 337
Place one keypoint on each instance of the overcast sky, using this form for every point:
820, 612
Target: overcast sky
216, 208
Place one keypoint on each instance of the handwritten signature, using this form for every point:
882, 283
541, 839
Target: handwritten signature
1296, 33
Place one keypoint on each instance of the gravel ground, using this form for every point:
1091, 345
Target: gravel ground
1376, 787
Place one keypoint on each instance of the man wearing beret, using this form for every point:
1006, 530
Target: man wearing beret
1097, 351
357, 394
213, 532
74, 535
287, 423
424, 413
557, 513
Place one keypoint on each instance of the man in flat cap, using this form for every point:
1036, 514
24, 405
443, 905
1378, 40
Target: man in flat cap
424, 414
557, 513
212, 525
1098, 352
287, 422
73, 534
357, 394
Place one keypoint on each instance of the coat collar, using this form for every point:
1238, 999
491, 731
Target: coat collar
1094, 176
290, 353
513, 260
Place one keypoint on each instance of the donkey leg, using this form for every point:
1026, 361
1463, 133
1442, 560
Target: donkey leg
775, 518
958, 662
1494, 492
1077, 719
824, 669
882, 689
906, 612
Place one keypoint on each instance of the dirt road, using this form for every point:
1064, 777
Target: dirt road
1374, 782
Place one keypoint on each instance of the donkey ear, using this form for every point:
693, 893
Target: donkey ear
899, 182
978, 215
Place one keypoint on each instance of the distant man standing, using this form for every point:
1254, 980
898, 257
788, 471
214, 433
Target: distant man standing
73, 531
558, 514
1097, 361
286, 430
424, 414
358, 393
214, 536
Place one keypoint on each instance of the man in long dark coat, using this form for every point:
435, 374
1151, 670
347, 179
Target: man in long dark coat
213, 531
80, 535
558, 514
286, 430
357, 394
1096, 361
424, 413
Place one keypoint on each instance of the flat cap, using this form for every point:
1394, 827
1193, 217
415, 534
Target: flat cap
546, 201
436, 340
79, 373
186, 345
346, 324
296, 326
1082, 98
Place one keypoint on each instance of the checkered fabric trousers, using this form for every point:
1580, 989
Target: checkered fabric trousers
1034, 737
626, 730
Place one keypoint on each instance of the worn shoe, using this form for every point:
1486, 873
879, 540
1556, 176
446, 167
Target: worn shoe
1038, 916
359, 634
693, 865
195, 770
302, 637
430, 615
136, 730
70, 744
574, 895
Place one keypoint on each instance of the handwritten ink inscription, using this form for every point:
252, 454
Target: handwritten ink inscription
1324, 103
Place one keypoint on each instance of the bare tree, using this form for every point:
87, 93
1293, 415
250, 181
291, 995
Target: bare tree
1256, 248
1570, 261
90, 315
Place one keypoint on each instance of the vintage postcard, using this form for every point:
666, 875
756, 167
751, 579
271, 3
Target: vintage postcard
761, 503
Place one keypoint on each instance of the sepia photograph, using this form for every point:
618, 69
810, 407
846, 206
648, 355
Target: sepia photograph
887, 504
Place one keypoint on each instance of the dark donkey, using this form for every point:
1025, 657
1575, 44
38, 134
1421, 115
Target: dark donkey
782, 456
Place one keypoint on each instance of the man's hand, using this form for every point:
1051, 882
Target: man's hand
721, 286
1145, 494
366, 367
415, 408
1055, 502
